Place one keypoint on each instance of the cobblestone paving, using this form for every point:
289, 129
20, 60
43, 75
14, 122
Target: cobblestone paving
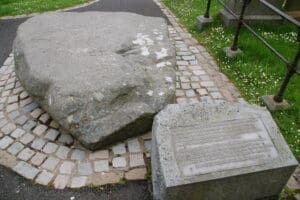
36, 147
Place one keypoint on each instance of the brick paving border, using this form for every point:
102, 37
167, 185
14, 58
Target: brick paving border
37, 148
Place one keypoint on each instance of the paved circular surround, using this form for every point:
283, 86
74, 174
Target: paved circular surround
37, 148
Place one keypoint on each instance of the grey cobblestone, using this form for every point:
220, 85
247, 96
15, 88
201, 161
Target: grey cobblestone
15, 148
179, 93
61, 181
29, 125
14, 114
8, 128
119, 149
51, 134
202, 92
63, 152
78, 182
204, 78
136, 160
44, 118
23, 95
101, 154
101, 166
65, 139
85, 168
26, 154
30, 107
3, 122
54, 124
207, 84
134, 145
50, 148
17, 133
216, 95
44, 178
27, 138
66, 167
38, 159
5, 142
26, 170
77, 154
38, 143
36, 113
119, 162
40, 129
190, 93
51, 163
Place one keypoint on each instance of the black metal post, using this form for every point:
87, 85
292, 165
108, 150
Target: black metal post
292, 68
206, 15
239, 27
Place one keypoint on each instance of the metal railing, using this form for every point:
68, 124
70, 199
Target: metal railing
291, 65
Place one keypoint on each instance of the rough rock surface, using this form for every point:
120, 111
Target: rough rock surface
102, 76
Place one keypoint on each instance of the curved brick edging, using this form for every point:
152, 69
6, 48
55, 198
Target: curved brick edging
37, 148
59, 10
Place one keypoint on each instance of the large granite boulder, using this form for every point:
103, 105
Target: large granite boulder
102, 76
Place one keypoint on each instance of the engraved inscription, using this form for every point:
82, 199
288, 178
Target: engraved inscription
219, 146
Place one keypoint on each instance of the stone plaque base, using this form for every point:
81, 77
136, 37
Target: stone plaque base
230, 53
224, 151
272, 105
203, 21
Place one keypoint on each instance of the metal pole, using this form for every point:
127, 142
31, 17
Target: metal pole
206, 15
239, 27
292, 68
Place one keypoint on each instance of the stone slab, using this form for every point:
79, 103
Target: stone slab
218, 151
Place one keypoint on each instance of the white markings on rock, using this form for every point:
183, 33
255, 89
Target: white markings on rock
98, 96
161, 93
169, 79
70, 118
161, 54
163, 64
143, 40
150, 93
145, 51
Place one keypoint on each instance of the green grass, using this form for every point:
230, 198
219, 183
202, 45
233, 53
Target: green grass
258, 71
18, 7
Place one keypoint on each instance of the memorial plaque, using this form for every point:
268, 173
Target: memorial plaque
222, 145
205, 151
